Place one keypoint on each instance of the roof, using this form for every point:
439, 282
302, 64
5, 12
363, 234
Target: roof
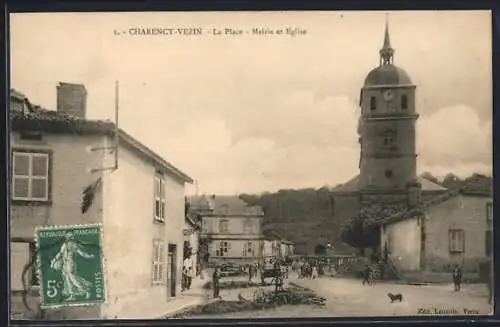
52, 121
271, 235
349, 186
387, 75
229, 205
191, 221
352, 185
476, 185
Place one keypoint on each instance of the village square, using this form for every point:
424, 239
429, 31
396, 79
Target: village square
102, 225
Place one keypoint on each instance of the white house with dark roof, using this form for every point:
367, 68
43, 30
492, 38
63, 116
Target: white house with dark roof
438, 232
56, 154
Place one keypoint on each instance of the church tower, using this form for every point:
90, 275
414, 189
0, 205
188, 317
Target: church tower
386, 128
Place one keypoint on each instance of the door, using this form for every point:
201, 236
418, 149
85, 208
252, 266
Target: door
171, 270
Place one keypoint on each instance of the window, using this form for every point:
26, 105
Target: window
30, 177
158, 262
388, 141
248, 227
160, 198
456, 240
373, 103
248, 249
222, 249
404, 102
223, 226
389, 173
488, 242
225, 209
22, 252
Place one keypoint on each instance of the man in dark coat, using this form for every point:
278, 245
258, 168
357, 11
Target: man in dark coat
366, 275
215, 282
457, 277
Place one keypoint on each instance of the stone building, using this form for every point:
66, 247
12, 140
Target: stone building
56, 154
233, 228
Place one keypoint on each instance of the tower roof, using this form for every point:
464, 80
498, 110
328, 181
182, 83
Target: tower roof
387, 73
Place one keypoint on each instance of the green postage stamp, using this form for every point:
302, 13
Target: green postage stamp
70, 265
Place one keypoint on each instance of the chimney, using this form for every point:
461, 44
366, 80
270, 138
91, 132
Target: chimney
72, 99
414, 193
17, 101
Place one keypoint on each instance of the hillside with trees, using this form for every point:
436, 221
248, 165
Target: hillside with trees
308, 215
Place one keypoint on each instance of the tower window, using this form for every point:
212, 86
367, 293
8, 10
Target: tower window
373, 103
389, 173
404, 101
388, 141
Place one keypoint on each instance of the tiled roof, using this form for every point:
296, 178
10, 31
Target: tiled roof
35, 117
349, 186
38, 118
224, 205
192, 221
271, 235
478, 184
474, 185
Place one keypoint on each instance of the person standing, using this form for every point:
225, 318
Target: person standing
215, 282
250, 272
457, 277
366, 275
314, 272
189, 278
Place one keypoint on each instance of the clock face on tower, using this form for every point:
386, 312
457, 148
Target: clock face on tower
388, 95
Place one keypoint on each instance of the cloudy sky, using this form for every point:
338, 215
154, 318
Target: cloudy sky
255, 113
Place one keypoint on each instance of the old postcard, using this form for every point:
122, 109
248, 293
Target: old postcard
251, 164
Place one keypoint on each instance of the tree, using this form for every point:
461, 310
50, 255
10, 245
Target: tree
451, 181
360, 232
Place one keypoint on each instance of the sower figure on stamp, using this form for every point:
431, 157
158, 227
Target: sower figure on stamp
457, 277
64, 261
215, 282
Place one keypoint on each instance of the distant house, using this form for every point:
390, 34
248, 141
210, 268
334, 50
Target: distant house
233, 228
440, 231
271, 244
276, 246
56, 154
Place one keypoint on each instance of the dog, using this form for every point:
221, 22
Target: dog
395, 297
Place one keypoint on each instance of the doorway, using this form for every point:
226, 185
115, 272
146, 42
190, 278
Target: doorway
171, 270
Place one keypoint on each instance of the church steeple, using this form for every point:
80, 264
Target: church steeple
387, 52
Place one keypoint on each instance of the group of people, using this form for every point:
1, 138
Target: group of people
307, 268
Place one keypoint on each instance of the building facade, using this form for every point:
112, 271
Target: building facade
56, 154
234, 230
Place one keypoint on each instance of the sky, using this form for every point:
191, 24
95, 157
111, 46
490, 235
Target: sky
253, 113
